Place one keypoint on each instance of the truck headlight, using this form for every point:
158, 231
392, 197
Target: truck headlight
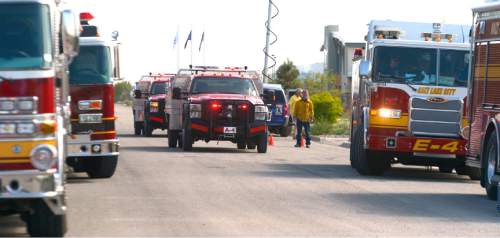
90, 118
261, 113
26, 105
7, 128
43, 157
7, 105
195, 110
389, 113
26, 128
86, 105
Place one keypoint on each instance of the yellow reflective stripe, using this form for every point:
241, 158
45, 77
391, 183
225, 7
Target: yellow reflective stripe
102, 132
19, 161
8, 149
389, 122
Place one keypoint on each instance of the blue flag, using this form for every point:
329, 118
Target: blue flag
188, 39
201, 42
176, 39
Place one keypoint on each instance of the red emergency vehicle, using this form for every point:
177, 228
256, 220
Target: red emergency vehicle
34, 111
93, 145
149, 103
409, 92
208, 103
484, 106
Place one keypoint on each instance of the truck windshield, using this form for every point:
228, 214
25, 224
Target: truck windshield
419, 66
158, 88
91, 66
224, 85
25, 36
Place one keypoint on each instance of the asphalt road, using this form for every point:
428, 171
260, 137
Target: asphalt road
217, 190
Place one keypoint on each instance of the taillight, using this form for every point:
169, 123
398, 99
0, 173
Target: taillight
285, 109
216, 106
243, 107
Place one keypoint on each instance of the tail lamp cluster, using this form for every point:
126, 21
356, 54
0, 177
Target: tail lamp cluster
90, 105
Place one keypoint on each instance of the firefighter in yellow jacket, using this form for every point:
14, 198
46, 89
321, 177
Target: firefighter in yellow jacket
304, 114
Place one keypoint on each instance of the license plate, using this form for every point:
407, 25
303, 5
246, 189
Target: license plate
279, 110
229, 130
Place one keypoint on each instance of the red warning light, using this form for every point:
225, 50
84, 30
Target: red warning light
86, 16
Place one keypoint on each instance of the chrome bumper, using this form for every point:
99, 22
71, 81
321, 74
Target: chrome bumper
28, 184
85, 148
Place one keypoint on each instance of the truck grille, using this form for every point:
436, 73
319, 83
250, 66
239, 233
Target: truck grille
229, 113
429, 118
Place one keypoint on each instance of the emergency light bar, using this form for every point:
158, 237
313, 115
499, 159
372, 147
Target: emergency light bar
86, 17
384, 32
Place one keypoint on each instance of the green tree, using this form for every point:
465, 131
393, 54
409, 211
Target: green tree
326, 107
287, 75
122, 91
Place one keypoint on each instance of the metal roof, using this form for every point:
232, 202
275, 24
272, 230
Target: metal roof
273, 86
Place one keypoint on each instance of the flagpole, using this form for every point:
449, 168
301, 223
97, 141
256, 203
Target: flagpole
178, 49
191, 45
204, 48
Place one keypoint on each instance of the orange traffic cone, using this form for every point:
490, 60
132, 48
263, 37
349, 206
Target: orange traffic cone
271, 140
302, 141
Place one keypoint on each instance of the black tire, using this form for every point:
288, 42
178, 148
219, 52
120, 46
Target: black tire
147, 131
173, 136
446, 169
251, 145
44, 223
101, 167
187, 140
137, 128
285, 131
262, 144
367, 162
474, 174
489, 160
352, 153
241, 145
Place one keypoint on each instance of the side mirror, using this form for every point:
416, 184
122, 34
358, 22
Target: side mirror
137, 93
176, 93
365, 69
116, 63
70, 32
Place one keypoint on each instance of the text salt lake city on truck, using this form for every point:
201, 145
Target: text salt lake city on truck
409, 96
34, 111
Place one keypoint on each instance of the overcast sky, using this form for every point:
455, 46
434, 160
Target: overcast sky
235, 32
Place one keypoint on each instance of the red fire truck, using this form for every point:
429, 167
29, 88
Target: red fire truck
93, 145
409, 91
208, 103
484, 106
149, 103
34, 111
